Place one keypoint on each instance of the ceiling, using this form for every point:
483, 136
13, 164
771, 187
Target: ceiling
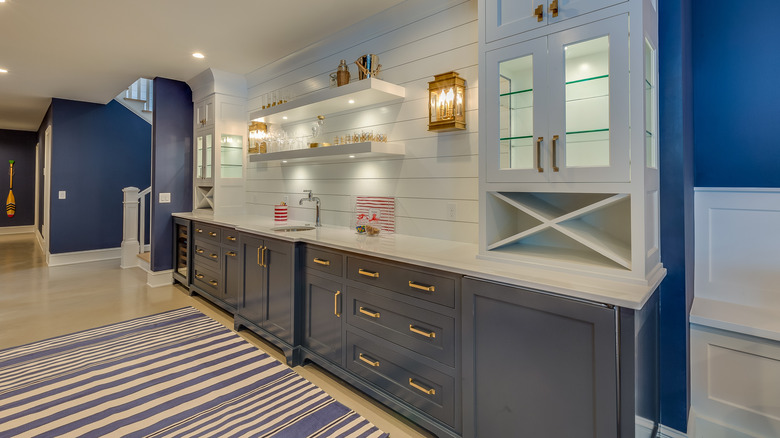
91, 50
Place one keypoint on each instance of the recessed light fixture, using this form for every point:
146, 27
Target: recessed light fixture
198, 55
284, 117
351, 100
351, 156
2, 70
284, 161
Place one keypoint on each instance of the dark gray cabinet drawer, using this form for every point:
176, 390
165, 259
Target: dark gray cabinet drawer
207, 280
206, 232
425, 285
207, 255
229, 237
425, 388
323, 261
423, 331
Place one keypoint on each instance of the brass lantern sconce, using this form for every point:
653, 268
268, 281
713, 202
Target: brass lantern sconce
447, 102
258, 132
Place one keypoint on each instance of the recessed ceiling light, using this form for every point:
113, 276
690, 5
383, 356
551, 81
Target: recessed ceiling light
198, 55
351, 100
351, 156
2, 70
284, 117
284, 161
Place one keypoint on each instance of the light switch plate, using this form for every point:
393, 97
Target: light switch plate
61, 194
165, 198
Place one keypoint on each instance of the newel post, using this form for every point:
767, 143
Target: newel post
130, 245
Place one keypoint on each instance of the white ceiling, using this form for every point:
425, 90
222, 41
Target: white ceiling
90, 50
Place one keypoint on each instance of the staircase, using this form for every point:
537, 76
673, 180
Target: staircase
138, 98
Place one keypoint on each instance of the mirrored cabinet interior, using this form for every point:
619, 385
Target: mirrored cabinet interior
568, 151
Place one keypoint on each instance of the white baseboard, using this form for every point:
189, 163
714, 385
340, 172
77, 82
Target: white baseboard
70, 258
668, 432
24, 229
159, 278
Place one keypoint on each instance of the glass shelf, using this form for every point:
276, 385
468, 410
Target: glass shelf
369, 149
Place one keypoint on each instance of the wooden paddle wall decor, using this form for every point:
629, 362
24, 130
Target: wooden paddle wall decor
10, 204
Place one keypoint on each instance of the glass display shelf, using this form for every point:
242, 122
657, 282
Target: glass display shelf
369, 149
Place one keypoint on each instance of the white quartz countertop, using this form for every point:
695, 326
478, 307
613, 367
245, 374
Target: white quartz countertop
450, 256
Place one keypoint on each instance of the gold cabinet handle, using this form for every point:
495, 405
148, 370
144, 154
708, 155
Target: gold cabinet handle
264, 264
555, 153
199, 251
417, 386
199, 276
366, 359
539, 12
198, 230
414, 329
231, 253
212, 234
322, 262
362, 271
539, 167
554, 8
231, 238
336, 304
365, 311
419, 286
214, 256
213, 282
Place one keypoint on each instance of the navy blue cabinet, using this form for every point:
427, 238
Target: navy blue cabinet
214, 265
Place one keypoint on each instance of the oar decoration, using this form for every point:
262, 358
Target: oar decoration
10, 204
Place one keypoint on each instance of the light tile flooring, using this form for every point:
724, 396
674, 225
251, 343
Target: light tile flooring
39, 302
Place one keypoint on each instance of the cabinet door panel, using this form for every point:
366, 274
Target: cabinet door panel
532, 359
509, 17
323, 316
591, 117
231, 276
279, 284
251, 294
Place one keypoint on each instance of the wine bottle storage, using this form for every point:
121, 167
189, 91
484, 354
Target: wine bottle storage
590, 228
204, 198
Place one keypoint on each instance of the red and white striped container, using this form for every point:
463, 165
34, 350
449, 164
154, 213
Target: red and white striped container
280, 213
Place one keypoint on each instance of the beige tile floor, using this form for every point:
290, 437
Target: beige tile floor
39, 302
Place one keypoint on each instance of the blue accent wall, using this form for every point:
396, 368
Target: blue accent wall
677, 245
736, 92
171, 164
20, 147
97, 150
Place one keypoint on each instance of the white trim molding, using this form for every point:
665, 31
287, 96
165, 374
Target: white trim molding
24, 229
668, 432
159, 278
70, 258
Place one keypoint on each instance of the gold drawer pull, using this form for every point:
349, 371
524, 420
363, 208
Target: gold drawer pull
212, 234
231, 238
362, 271
213, 256
414, 329
336, 304
199, 276
373, 363
414, 285
199, 251
198, 230
539, 12
231, 253
322, 262
431, 391
364, 311
213, 282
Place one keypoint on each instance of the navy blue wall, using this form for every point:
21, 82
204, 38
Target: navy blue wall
97, 150
736, 80
171, 164
20, 147
676, 167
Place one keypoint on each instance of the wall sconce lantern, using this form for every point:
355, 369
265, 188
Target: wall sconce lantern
447, 98
258, 132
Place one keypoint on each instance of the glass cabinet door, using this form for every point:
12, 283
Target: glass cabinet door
516, 121
199, 157
589, 123
208, 172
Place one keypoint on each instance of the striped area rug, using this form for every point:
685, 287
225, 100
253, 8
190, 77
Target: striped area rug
178, 373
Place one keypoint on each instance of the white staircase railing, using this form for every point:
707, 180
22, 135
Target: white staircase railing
141, 91
134, 225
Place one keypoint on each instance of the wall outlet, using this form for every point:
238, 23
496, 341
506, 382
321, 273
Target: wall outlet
451, 211
165, 198
61, 194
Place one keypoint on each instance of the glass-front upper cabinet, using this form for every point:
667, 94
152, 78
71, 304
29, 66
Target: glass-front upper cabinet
204, 157
651, 107
558, 107
231, 156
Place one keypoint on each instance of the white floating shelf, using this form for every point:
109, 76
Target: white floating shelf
370, 149
363, 93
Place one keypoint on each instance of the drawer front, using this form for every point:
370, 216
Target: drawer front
206, 255
425, 388
207, 280
229, 237
323, 261
427, 286
206, 232
422, 331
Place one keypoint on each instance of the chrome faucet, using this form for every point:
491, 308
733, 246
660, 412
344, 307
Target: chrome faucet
316, 201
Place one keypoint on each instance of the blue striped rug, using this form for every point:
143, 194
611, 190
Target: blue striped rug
178, 373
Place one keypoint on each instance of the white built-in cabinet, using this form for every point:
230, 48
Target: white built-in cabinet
568, 143
219, 140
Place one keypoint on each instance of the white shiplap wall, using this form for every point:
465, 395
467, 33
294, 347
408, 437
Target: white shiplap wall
415, 41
